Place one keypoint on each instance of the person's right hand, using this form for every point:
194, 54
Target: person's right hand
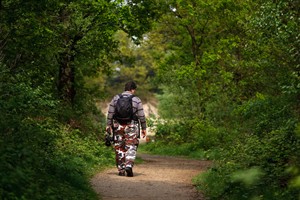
108, 130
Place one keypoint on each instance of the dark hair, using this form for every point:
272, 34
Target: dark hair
130, 86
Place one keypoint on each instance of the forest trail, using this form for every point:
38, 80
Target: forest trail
158, 177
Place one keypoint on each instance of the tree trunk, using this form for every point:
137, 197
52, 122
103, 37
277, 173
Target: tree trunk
66, 78
67, 70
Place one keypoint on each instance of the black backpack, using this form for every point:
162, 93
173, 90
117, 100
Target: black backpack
123, 109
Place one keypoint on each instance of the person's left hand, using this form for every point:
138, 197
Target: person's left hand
144, 133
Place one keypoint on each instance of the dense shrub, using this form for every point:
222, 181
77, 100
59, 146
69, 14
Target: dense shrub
42, 157
188, 137
46, 160
198, 133
258, 164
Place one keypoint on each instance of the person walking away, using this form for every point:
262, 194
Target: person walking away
125, 113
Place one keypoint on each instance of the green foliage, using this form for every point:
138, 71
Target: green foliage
42, 158
49, 142
185, 149
258, 171
199, 134
133, 62
266, 114
191, 137
229, 79
227, 73
45, 160
172, 133
257, 163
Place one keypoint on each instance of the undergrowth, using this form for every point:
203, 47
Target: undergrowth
188, 150
48, 160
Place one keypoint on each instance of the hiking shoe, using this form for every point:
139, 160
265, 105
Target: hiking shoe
122, 173
129, 171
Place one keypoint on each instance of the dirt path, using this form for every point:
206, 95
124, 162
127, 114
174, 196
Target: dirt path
157, 178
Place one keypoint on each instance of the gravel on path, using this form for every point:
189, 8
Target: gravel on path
157, 178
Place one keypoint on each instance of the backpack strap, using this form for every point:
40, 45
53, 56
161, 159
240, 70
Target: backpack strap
133, 113
130, 96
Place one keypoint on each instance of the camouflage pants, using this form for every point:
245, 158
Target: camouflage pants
126, 143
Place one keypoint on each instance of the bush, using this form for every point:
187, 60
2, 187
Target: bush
42, 157
47, 160
173, 132
205, 136
199, 133
260, 164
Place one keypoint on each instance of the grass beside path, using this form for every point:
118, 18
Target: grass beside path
179, 150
